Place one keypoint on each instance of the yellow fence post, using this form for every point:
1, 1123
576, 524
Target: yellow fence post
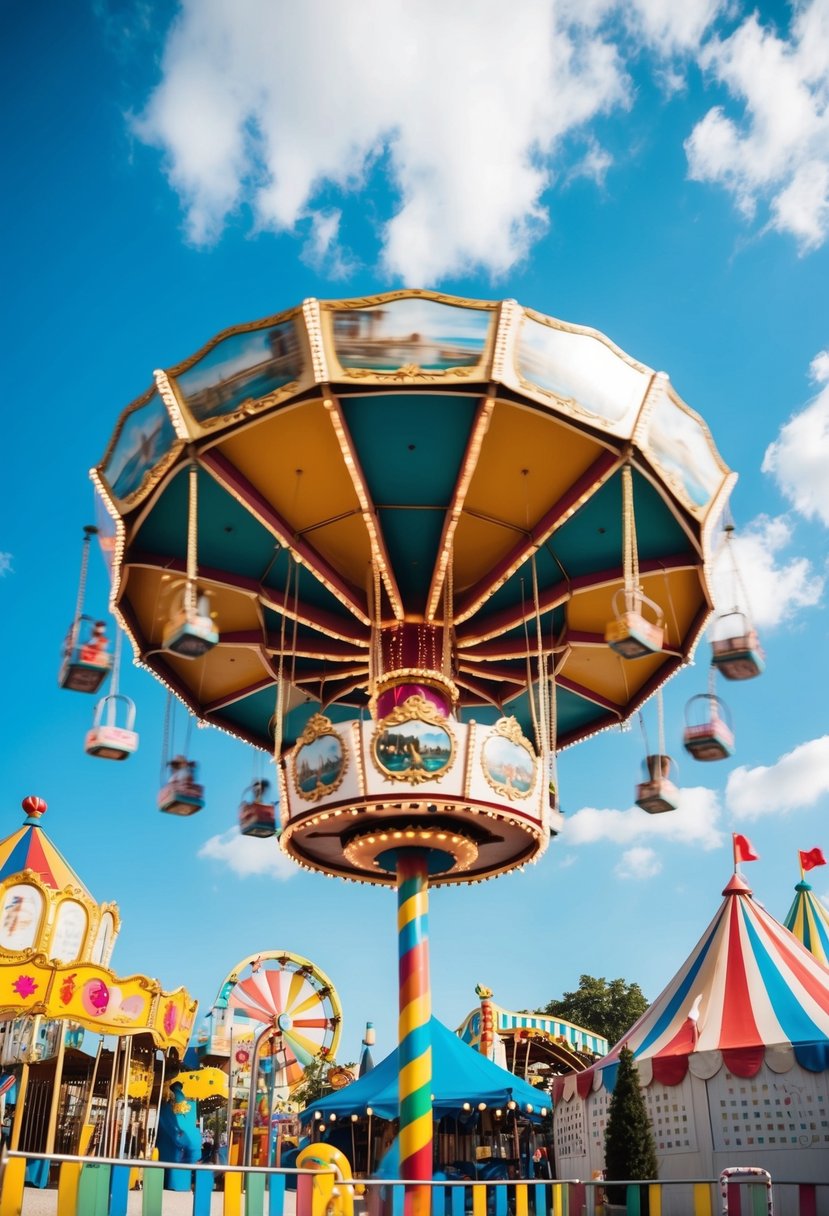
479, 1199
702, 1199
11, 1196
68, 1188
521, 1204
655, 1199
232, 1205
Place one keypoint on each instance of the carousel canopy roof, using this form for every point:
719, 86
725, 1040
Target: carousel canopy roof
459, 1075
463, 452
808, 920
29, 848
749, 992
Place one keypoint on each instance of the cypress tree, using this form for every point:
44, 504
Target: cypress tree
629, 1148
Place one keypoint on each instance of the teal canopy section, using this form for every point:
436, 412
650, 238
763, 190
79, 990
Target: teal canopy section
459, 1075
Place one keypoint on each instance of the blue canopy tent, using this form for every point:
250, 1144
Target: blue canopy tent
460, 1076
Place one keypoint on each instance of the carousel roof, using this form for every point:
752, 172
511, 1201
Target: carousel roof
749, 992
467, 453
29, 848
808, 920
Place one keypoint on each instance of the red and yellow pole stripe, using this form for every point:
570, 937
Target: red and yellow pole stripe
415, 1050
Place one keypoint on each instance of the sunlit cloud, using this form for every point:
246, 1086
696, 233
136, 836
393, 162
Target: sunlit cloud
5, 564
694, 822
467, 122
797, 780
769, 587
247, 856
799, 457
639, 862
776, 154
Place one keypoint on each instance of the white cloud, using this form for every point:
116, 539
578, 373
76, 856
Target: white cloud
799, 457
769, 587
247, 855
694, 822
5, 564
779, 153
798, 779
272, 104
639, 862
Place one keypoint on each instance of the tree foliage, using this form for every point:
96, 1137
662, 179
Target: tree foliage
629, 1148
608, 1008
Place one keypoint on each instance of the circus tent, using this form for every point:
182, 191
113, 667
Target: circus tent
808, 920
733, 1058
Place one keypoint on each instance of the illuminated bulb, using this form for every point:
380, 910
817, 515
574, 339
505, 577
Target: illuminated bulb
317, 1114
544, 1110
498, 1114
530, 1108
353, 1118
369, 1111
482, 1106
466, 1106
332, 1117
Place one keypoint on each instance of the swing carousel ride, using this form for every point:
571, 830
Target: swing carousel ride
413, 545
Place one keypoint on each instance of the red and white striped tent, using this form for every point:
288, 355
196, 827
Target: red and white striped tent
733, 1057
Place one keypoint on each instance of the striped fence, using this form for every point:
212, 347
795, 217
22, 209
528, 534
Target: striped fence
101, 1187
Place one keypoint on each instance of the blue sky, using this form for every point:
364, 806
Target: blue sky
659, 172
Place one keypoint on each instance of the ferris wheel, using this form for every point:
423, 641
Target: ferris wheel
290, 993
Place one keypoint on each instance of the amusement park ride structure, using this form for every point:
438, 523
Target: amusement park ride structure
414, 545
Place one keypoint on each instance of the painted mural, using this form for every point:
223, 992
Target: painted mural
410, 332
145, 436
244, 367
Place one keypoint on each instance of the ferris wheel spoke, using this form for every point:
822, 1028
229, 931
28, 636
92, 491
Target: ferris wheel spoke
252, 1011
257, 994
298, 980
311, 1002
304, 1048
312, 1023
274, 979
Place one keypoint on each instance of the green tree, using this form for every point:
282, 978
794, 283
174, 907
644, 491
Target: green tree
629, 1148
606, 1008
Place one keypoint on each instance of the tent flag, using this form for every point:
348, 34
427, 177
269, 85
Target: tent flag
743, 849
810, 859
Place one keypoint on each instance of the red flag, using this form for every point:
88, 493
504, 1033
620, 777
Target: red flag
743, 849
813, 858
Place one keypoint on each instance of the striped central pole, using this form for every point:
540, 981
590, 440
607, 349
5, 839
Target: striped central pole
415, 1050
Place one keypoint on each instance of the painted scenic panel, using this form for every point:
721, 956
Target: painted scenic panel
243, 367
413, 748
425, 333
319, 766
508, 766
581, 369
146, 435
681, 445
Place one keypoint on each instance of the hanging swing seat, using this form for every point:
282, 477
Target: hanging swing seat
707, 736
107, 740
86, 659
182, 795
189, 635
739, 657
634, 633
658, 794
257, 819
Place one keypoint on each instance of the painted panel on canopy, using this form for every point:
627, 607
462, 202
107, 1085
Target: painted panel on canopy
410, 332
314, 641
228, 537
412, 540
679, 444
592, 538
143, 438
220, 672
602, 671
309, 590
411, 445
573, 713
679, 595
518, 590
581, 371
528, 461
154, 595
242, 367
255, 712
269, 455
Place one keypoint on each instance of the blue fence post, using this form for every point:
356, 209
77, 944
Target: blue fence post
276, 1195
202, 1193
119, 1189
